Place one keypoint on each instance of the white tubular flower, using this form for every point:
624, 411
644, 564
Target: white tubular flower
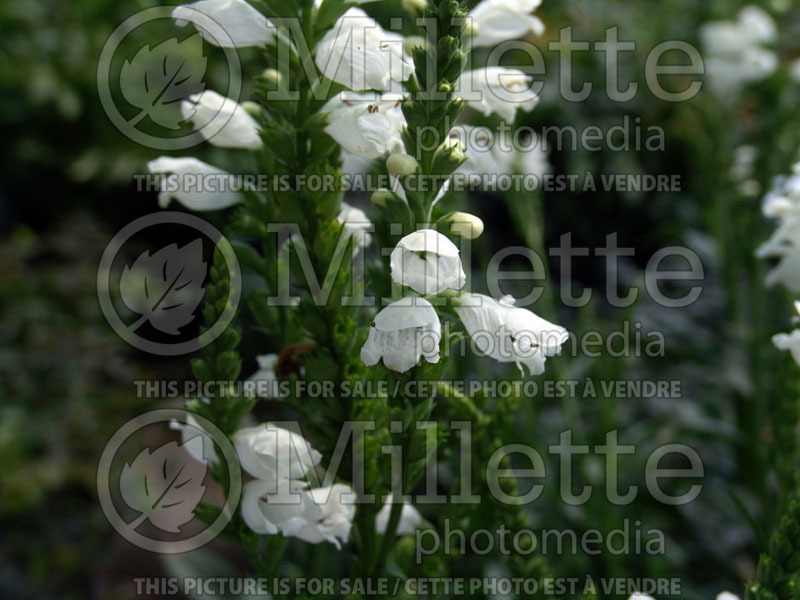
508, 333
427, 262
328, 517
496, 21
789, 341
735, 53
361, 55
726, 596
401, 333
204, 452
244, 24
265, 377
499, 90
410, 519
638, 596
195, 184
222, 121
364, 128
269, 452
267, 511
355, 223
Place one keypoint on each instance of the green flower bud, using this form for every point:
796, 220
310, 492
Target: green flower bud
465, 225
381, 197
401, 165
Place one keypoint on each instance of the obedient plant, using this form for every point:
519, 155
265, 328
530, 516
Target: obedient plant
340, 96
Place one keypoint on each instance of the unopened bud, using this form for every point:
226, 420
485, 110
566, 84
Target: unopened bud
381, 197
466, 225
401, 165
251, 108
273, 76
414, 6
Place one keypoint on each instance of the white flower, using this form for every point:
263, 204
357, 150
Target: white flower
328, 516
245, 25
496, 21
361, 55
783, 203
364, 127
508, 333
222, 121
789, 341
734, 52
195, 184
203, 451
355, 223
410, 519
267, 511
314, 516
638, 596
427, 262
727, 596
401, 333
265, 377
500, 90
269, 452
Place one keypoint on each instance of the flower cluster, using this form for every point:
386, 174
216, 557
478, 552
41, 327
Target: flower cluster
387, 100
783, 204
736, 52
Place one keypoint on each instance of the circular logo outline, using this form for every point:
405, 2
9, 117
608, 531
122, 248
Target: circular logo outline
104, 482
203, 23
104, 283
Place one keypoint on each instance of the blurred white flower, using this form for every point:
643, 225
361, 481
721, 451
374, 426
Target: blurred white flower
491, 152
270, 453
265, 377
638, 596
495, 21
195, 184
361, 55
318, 515
222, 121
410, 519
190, 430
243, 23
508, 333
427, 262
727, 596
500, 90
783, 203
363, 127
401, 333
789, 341
734, 51
355, 221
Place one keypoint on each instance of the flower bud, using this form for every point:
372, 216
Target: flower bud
251, 108
413, 41
381, 197
273, 76
466, 225
414, 6
453, 147
470, 28
401, 165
